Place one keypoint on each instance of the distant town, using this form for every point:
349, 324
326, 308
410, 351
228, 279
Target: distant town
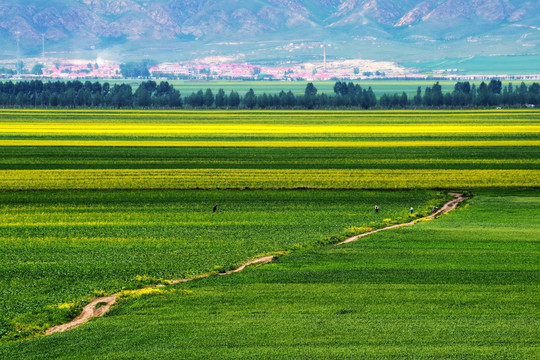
360, 69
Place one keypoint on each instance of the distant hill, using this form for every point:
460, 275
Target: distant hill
402, 30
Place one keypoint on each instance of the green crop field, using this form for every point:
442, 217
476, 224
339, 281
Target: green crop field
95, 202
464, 286
298, 87
268, 150
59, 249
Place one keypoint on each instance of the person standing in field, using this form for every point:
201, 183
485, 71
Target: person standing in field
377, 209
435, 209
412, 210
215, 208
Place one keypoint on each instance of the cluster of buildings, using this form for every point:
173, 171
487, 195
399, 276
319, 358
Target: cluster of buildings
310, 72
61, 69
336, 70
224, 72
90, 71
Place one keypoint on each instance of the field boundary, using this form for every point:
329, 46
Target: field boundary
100, 306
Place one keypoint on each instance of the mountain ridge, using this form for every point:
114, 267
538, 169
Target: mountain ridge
124, 26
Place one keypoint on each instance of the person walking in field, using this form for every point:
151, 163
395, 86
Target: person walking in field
435, 209
412, 210
215, 208
377, 209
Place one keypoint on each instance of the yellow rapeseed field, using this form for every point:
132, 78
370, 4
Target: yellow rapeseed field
273, 144
171, 130
264, 179
220, 149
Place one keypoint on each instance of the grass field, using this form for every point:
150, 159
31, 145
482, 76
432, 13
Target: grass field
93, 202
464, 286
298, 87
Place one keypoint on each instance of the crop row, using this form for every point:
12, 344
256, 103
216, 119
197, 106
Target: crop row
287, 117
164, 129
271, 143
264, 179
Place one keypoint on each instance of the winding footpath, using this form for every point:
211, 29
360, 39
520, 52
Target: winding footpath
102, 305
449, 206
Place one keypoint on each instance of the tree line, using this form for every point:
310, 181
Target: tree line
151, 95
465, 95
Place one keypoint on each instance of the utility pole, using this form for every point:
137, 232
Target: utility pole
18, 64
324, 46
43, 47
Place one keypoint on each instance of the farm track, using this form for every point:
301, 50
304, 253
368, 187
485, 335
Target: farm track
449, 206
100, 306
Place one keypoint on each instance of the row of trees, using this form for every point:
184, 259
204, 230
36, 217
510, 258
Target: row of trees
75, 94
468, 96
71, 94
284, 100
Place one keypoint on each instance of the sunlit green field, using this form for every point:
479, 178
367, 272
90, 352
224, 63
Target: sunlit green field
463, 287
61, 248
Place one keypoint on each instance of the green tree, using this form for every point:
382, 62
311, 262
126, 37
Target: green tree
175, 99
208, 98
38, 69
142, 97
495, 86
220, 99
250, 100
137, 69
403, 100
426, 100
437, 95
370, 99
418, 97
311, 90
234, 99
463, 87
341, 88
483, 94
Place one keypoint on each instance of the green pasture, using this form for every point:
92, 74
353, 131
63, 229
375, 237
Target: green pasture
464, 286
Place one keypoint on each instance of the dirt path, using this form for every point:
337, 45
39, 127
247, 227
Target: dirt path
102, 305
449, 206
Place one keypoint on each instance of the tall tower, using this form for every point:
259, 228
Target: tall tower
18, 64
324, 46
43, 48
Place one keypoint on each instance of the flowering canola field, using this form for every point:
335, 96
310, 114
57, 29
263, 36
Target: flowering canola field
268, 149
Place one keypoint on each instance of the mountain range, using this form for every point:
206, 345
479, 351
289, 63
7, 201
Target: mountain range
273, 30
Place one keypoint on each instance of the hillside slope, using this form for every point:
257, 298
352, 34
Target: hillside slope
367, 27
